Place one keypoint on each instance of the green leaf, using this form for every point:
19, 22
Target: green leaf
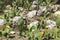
21, 22
3, 32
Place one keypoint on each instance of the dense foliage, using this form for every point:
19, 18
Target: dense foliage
13, 18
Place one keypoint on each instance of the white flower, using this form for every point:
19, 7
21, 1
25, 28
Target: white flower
12, 32
16, 19
41, 10
50, 23
33, 30
34, 2
34, 7
35, 23
57, 13
6, 11
31, 14
54, 7
20, 8
8, 7
2, 22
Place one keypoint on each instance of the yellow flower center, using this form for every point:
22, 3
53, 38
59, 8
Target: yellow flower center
42, 33
46, 26
8, 26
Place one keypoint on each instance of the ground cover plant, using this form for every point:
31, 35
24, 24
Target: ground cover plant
29, 20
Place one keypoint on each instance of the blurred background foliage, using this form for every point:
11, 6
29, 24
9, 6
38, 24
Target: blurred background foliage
22, 3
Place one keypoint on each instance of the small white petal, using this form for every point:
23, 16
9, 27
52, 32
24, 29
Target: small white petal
50, 23
31, 14
35, 23
2, 22
12, 32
